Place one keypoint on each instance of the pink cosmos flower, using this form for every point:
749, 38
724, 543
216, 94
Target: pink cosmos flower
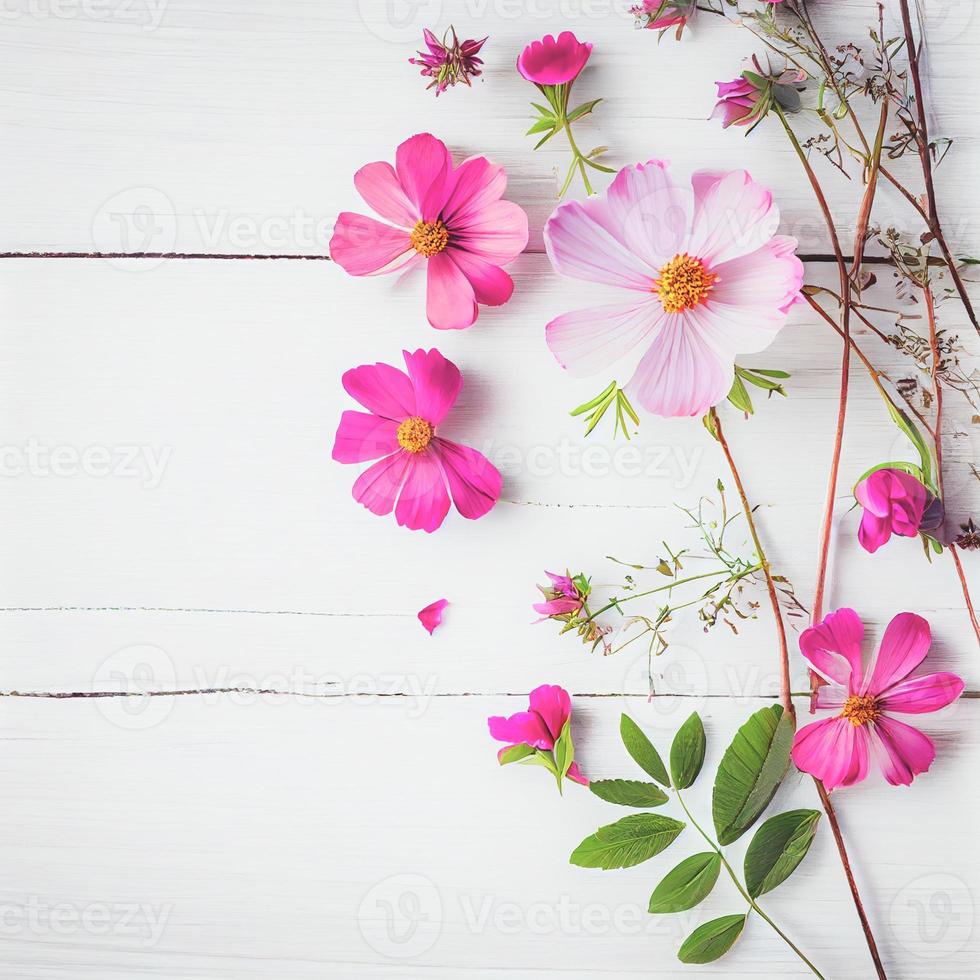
549, 708
431, 616
451, 219
707, 278
563, 597
894, 502
736, 102
417, 471
838, 750
661, 14
554, 62
449, 61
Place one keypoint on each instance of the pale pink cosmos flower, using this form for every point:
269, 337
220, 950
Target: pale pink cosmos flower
554, 61
839, 750
417, 471
894, 502
431, 616
549, 708
449, 219
707, 278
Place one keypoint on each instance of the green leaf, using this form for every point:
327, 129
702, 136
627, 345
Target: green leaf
687, 752
582, 110
769, 372
739, 396
564, 750
777, 848
712, 940
688, 884
708, 421
751, 770
642, 750
541, 126
628, 792
628, 842
915, 437
515, 753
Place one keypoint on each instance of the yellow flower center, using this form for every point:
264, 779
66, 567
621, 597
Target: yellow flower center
859, 709
429, 237
684, 282
415, 434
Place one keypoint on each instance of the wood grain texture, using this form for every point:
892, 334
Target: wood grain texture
328, 803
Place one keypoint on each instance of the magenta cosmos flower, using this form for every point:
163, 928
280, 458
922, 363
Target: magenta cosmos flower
451, 219
706, 278
894, 502
562, 597
539, 727
554, 61
417, 471
838, 750
737, 102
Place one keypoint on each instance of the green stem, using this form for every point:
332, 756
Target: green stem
753, 905
673, 585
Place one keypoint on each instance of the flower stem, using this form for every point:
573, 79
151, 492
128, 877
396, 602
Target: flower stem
784, 684
821, 790
925, 159
741, 888
845, 292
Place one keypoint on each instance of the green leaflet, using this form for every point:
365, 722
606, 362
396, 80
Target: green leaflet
750, 772
515, 753
687, 752
688, 884
642, 750
628, 842
777, 848
712, 940
628, 792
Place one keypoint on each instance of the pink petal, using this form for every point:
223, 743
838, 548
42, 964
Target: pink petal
649, 212
361, 437
450, 302
381, 389
919, 695
833, 750
586, 342
830, 696
497, 232
575, 775
554, 706
557, 607
437, 383
681, 374
431, 616
424, 166
553, 62
873, 531
903, 647
477, 183
491, 285
362, 246
766, 281
378, 184
732, 216
902, 751
562, 583
423, 502
474, 481
833, 648
377, 487
523, 728
581, 246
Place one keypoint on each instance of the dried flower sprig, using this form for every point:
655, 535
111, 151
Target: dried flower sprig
450, 60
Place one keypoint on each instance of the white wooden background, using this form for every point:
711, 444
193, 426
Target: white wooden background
310, 790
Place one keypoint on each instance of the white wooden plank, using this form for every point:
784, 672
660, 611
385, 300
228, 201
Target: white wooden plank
230, 376
271, 841
226, 127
